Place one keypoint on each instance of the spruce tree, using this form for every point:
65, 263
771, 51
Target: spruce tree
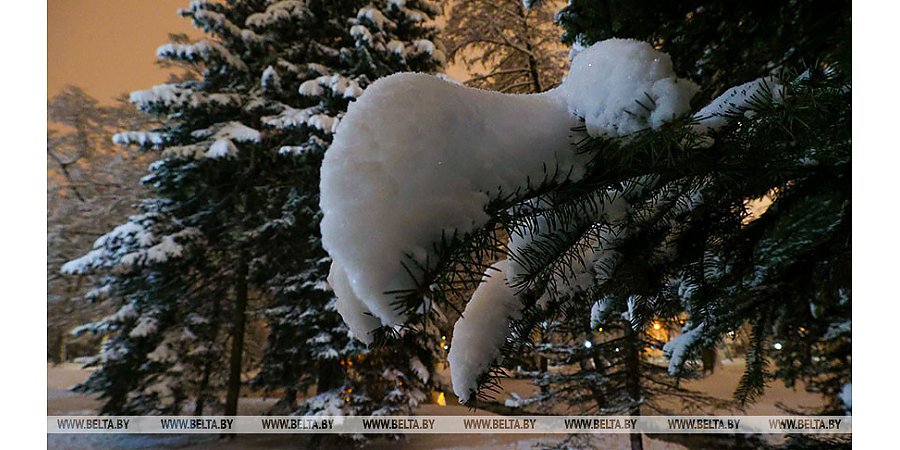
232, 227
91, 185
780, 269
376, 40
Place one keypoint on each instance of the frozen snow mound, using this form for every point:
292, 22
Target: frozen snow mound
417, 158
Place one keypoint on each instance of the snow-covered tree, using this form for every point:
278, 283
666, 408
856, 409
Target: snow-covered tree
631, 181
507, 46
231, 234
91, 184
784, 266
368, 40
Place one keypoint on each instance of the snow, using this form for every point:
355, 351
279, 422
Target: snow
339, 84
323, 122
596, 253
128, 245
270, 80
395, 46
174, 95
416, 156
291, 118
360, 32
678, 347
162, 353
141, 138
419, 369
280, 11
131, 232
622, 86
739, 100
598, 312
203, 50
417, 159
376, 17
237, 132
145, 327
838, 329
221, 148
846, 396
328, 403
422, 46
354, 312
481, 331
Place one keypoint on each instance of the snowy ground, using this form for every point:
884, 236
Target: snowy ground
62, 402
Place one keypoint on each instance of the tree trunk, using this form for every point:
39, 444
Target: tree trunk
207, 365
544, 368
533, 72
329, 376
201, 391
290, 399
237, 337
633, 379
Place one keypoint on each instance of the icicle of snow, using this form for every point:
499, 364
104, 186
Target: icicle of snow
677, 348
481, 331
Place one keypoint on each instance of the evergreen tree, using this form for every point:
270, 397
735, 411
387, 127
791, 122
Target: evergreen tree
378, 39
780, 269
91, 185
232, 228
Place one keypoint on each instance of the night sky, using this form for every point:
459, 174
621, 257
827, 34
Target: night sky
108, 47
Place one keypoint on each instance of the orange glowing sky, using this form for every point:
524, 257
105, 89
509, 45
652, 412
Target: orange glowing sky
108, 47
